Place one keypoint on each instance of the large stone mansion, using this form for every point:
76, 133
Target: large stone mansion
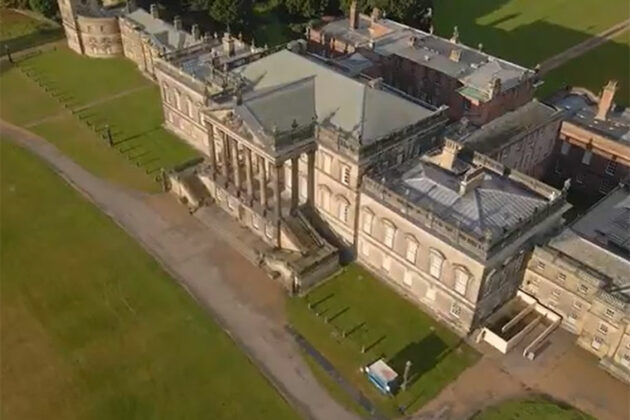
414, 155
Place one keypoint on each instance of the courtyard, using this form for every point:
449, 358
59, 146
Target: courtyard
123, 341
353, 319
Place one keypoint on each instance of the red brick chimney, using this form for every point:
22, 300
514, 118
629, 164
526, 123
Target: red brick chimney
354, 15
606, 100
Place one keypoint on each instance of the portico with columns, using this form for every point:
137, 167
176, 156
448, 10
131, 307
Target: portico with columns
256, 177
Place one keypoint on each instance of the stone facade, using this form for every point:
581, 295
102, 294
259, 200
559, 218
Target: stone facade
90, 29
101, 31
459, 277
523, 139
583, 275
145, 37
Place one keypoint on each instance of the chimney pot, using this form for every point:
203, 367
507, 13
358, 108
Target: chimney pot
177, 23
376, 14
196, 32
155, 12
455, 36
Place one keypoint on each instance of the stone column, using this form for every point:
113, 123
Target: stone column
295, 162
224, 156
248, 175
212, 152
262, 173
310, 178
276, 190
235, 165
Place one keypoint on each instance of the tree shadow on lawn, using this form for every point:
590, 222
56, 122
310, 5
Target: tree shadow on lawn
527, 44
423, 354
42, 35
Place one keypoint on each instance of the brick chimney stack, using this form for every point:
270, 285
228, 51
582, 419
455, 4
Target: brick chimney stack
606, 100
354, 15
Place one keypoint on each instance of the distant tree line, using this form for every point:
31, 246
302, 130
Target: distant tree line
240, 12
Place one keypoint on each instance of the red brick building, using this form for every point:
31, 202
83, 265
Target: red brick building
439, 71
593, 149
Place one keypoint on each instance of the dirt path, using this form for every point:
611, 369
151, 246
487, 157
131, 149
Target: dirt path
207, 268
583, 47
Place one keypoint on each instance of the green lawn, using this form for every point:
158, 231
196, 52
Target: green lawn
92, 327
82, 145
527, 31
589, 72
110, 92
19, 32
82, 79
136, 124
21, 100
531, 409
387, 326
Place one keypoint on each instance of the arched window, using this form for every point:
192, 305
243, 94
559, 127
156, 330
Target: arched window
178, 99
368, 221
343, 209
436, 260
412, 249
184, 105
389, 232
191, 109
462, 277
324, 197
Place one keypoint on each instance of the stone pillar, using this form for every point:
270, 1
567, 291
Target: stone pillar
235, 165
224, 156
212, 152
248, 175
295, 162
276, 190
310, 178
262, 173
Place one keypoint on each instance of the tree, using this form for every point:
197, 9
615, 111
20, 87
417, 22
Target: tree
231, 12
411, 12
307, 8
47, 8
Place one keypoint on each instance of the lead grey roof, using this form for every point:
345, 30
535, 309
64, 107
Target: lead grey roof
501, 131
581, 110
496, 204
162, 33
601, 240
285, 85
